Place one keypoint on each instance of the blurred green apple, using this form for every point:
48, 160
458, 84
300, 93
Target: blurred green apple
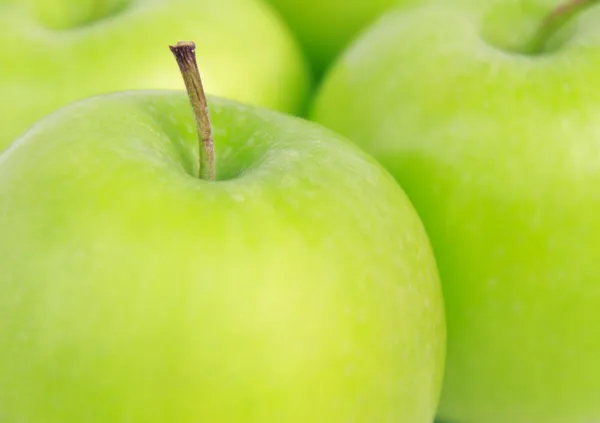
325, 27
53, 52
494, 133
297, 287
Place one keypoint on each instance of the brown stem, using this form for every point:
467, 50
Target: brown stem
185, 54
558, 17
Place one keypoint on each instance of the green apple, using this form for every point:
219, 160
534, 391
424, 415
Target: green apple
299, 286
497, 144
55, 52
325, 27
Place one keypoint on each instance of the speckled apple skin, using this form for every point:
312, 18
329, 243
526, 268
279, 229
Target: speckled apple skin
299, 287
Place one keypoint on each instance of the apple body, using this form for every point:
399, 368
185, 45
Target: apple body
325, 28
55, 52
498, 151
298, 287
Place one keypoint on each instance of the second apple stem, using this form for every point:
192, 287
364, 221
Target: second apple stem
554, 21
185, 54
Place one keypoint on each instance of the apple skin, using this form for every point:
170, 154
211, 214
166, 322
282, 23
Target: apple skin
498, 152
325, 28
299, 287
50, 57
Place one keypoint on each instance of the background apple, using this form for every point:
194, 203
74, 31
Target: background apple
298, 287
326, 27
66, 14
499, 152
53, 53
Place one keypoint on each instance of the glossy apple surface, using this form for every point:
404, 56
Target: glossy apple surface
299, 287
498, 151
55, 52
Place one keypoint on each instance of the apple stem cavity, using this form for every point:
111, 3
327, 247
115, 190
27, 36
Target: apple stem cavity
558, 17
185, 54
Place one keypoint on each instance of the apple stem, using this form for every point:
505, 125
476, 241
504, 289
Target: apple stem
562, 14
185, 54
